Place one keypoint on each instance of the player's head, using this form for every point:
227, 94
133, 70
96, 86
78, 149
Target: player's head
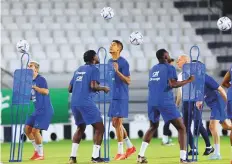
116, 46
182, 60
34, 65
163, 56
90, 57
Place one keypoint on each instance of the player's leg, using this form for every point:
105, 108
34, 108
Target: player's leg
216, 138
178, 124
166, 134
76, 141
226, 124
38, 142
117, 124
81, 125
91, 116
28, 131
187, 117
200, 129
119, 110
154, 116
98, 136
170, 113
130, 147
41, 123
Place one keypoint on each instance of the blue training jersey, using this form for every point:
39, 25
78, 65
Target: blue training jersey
120, 89
229, 93
82, 94
160, 92
211, 93
42, 103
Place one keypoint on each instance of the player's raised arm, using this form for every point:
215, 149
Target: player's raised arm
43, 91
122, 76
226, 80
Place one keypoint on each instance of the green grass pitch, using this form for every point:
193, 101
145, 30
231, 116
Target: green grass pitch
58, 152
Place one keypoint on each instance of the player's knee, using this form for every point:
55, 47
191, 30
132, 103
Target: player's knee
116, 123
81, 128
35, 131
181, 127
154, 126
211, 127
27, 130
99, 131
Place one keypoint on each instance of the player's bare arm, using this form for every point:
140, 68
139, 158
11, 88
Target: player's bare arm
222, 93
96, 87
226, 80
43, 91
125, 79
173, 83
70, 89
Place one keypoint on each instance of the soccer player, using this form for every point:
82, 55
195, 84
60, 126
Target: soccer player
42, 116
85, 82
166, 128
186, 116
162, 78
227, 83
214, 96
119, 105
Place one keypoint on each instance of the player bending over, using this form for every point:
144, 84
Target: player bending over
85, 82
227, 83
188, 117
214, 96
162, 78
42, 116
119, 105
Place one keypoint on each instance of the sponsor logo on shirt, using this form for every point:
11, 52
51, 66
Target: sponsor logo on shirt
155, 76
80, 76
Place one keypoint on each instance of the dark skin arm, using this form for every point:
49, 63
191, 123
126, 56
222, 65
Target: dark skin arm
226, 80
173, 83
96, 87
70, 89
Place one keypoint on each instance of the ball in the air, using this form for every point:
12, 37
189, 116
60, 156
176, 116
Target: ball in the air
224, 23
22, 46
136, 38
107, 13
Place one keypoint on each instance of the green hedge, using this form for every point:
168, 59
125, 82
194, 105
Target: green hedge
59, 98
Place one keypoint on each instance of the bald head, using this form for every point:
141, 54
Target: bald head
182, 60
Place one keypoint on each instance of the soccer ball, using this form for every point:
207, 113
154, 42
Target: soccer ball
136, 38
224, 23
107, 13
22, 46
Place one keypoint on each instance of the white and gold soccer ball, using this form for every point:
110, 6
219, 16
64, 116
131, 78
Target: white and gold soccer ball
22, 46
107, 13
224, 23
136, 38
